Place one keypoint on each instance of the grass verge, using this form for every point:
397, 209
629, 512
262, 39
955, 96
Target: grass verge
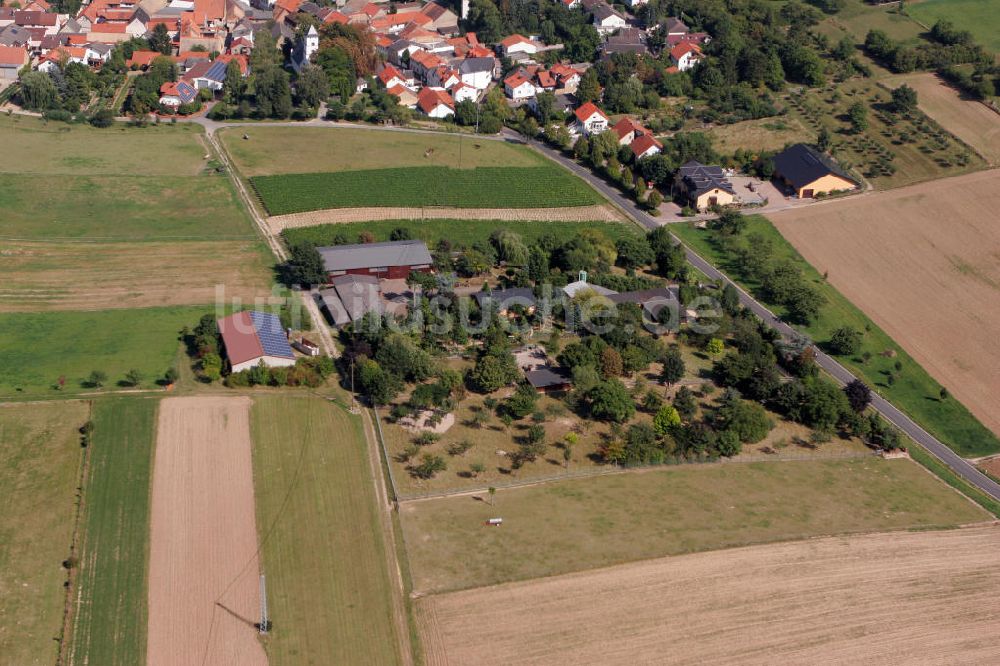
915, 391
323, 553
110, 622
944, 472
582, 524
39, 473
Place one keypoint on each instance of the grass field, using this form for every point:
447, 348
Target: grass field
121, 208
38, 348
110, 621
328, 584
980, 17
858, 17
581, 524
276, 150
95, 276
35, 146
916, 392
764, 134
39, 473
458, 232
545, 186
821, 601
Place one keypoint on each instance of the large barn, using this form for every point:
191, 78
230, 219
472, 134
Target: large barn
251, 337
391, 260
809, 172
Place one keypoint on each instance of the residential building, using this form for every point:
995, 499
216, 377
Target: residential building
391, 259
12, 59
435, 102
704, 186
809, 172
607, 19
352, 297
686, 55
176, 93
644, 146
477, 72
250, 338
518, 44
518, 86
590, 120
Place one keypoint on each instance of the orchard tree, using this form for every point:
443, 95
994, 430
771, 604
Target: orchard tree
904, 99
610, 401
845, 341
673, 367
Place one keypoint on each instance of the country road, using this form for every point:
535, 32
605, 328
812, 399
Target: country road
892, 414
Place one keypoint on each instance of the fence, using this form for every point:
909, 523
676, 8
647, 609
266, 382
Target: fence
386, 460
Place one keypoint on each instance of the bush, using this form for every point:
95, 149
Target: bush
845, 341
103, 118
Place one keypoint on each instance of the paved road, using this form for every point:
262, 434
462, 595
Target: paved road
959, 465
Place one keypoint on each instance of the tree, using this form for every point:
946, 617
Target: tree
634, 252
97, 378
589, 89
429, 466
38, 92
305, 265
484, 18
476, 469
845, 341
133, 377
715, 346
823, 140
171, 375
492, 491
747, 420
943, 394
904, 99
666, 420
685, 404
312, 86
858, 395
234, 85
103, 118
272, 92
673, 367
160, 40
380, 386
610, 401
858, 115
611, 363
493, 372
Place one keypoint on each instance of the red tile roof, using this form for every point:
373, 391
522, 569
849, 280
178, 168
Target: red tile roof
510, 41
680, 50
429, 99
13, 55
643, 143
240, 337
143, 58
587, 110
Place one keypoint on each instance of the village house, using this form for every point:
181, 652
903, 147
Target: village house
390, 259
12, 59
685, 56
351, 297
177, 93
809, 172
590, 120
704, 186
435, 103
515, 44
251, 338
518, 86
607, 19
477, 72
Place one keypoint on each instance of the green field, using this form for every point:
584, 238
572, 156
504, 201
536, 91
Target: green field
980, 17
457, 232
275, 150
110, 622
581, 524
35, 146
39, 472
38, 348
858, 17
486, 187
329, 587
94, 207
915, 391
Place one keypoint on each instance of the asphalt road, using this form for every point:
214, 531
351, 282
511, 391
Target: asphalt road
934, 446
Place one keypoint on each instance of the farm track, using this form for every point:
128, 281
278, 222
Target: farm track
600, 213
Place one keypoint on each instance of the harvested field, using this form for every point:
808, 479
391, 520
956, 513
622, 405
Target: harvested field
970, 121
93, 276
203, 569
934, 252
604, 213
915, 598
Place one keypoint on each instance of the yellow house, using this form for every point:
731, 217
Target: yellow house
705, 186
808, 172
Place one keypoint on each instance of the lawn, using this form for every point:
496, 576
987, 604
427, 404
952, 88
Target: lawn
581, 524
547, 186
329, 593
38, 348
915, 391
39, 473
35, 146
980, 17
457, 232
110, 621
858, 17
276, 150
121, 208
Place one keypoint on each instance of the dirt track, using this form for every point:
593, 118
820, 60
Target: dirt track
603, 212
914, 598
924, 263
203, 570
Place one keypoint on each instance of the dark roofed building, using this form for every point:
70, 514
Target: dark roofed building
809, 172
705, 186
351, 297
549, 380
506, 298
391, 259
652, 301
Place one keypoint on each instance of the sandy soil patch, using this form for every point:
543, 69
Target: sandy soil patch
420, 423
915, 598
603, 212
95, 276
924, 263
969, 120
203, 569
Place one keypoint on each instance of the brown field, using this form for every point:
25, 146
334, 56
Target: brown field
915, 598
91, 276
764, 134
924, 263
969, 120
203, 569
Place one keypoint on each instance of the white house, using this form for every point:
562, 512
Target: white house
176, 93
463, 91
517, 86
607, 20
590, 119
435, 103
252, 338
518, 44
686, 55
477, 72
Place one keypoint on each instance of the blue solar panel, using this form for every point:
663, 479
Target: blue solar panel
272, 336
217, 72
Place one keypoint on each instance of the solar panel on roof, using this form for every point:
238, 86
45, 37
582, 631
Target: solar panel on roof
217, 72
272, 336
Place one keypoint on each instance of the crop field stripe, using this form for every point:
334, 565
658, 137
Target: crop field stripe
110, 625
484, 187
